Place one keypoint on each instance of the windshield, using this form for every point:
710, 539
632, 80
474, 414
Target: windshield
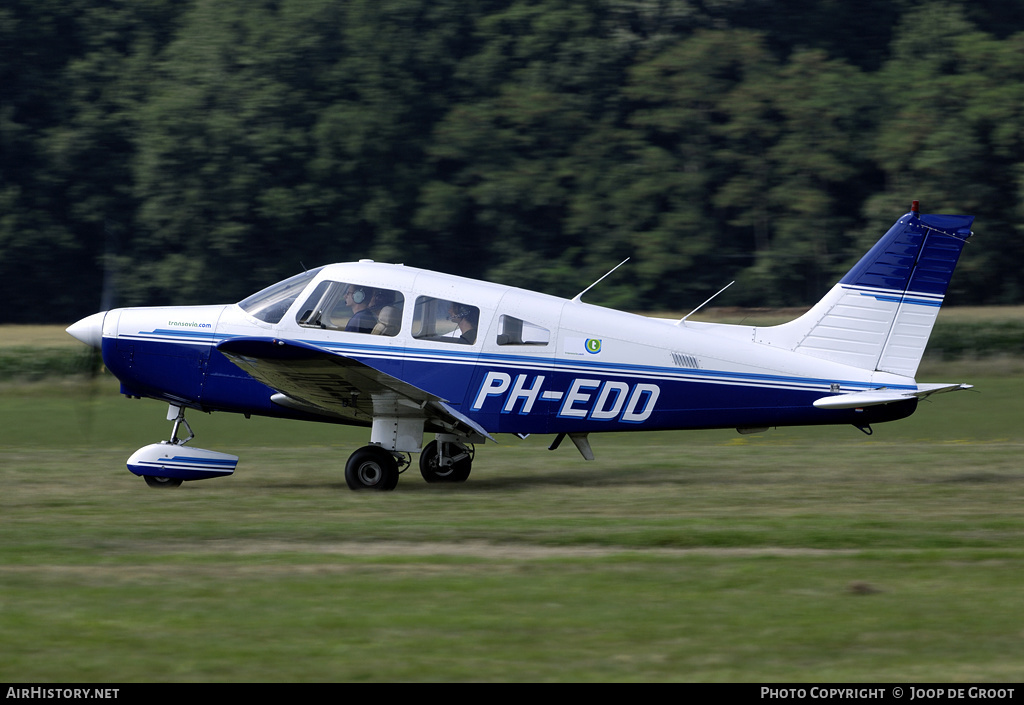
270, 304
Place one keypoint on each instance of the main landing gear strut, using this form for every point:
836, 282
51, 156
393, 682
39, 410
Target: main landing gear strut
374, 467
446, 461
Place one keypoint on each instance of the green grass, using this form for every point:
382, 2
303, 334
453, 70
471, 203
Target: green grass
809, 555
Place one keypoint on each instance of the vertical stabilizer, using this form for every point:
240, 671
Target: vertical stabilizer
880, 315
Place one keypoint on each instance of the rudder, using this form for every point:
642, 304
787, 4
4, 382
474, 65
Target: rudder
880, 315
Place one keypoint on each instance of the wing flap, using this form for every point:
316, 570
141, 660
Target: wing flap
308, 378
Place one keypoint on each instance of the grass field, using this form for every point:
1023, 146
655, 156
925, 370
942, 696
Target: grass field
810, 555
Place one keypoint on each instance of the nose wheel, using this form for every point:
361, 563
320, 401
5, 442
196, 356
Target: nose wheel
162, 481
169, 463
179, 419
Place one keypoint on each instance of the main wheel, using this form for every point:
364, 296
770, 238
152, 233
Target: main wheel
433, 471
161, 481
371, 468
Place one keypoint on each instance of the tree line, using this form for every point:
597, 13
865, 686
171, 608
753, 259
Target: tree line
170, 151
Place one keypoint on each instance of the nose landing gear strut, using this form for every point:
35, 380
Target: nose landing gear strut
169, 463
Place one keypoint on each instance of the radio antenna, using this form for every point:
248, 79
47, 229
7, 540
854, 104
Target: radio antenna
579, 297
683, 319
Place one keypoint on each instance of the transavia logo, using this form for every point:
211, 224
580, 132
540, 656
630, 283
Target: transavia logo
581, 347
189, 324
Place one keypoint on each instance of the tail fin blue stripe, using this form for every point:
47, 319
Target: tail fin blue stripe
918, 254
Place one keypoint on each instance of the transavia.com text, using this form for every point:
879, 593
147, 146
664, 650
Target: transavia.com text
910, 693
63, 693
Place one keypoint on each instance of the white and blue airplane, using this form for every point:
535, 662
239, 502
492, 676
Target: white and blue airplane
409, 352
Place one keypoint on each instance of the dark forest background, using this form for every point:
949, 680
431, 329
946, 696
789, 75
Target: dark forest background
171, 151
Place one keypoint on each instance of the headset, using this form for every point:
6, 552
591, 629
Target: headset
358, 294
457, 312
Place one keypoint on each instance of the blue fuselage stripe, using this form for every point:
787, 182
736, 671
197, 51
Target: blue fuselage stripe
503, 393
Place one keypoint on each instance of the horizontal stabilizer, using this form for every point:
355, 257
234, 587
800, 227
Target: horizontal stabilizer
874, 397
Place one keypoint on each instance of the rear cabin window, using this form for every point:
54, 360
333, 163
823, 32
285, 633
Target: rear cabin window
516, 331
354, 308
445, 321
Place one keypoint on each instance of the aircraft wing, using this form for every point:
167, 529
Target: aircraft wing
874, 397
319, 382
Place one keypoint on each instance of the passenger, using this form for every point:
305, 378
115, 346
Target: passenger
358, 299
466, 317
388, 312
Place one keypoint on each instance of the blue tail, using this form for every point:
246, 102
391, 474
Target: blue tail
915, 258
880, 315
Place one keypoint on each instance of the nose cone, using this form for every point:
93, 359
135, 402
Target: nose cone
89, 330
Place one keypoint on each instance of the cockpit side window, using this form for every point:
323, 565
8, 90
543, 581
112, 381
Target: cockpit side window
445, 321
269, 305
354, 308
516, 331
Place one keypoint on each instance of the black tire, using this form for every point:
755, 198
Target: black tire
372, 468
433, 472
161, 481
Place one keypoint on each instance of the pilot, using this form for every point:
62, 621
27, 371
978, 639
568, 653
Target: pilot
466, 317
358, 299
